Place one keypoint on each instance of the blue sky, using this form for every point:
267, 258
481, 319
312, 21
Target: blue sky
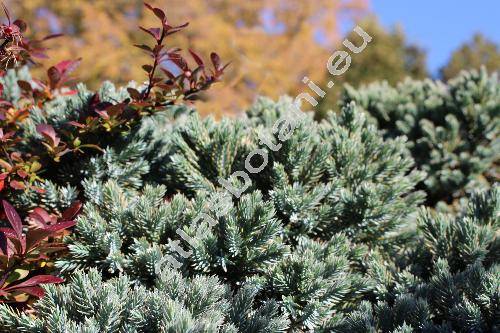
440, 26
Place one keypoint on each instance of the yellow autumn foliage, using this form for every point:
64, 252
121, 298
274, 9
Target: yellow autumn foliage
271, 44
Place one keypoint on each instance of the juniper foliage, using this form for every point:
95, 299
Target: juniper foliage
89, 304
335, 176
450, 282
331, 182
452, 129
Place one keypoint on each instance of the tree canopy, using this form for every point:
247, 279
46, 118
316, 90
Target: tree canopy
477, 52
271, 44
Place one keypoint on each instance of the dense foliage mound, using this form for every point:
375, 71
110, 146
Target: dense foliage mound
452, 128
448, 282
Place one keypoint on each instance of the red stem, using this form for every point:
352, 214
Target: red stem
155, 65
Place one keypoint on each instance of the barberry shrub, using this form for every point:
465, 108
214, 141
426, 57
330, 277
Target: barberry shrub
25, 255
49, 129
48, 126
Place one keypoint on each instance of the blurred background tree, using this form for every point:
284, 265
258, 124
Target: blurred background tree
472, 55
272, 44
388, 57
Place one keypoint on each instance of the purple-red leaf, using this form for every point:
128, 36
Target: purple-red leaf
147, 68
157, 11
134, 93
52, 36
49, 133
24, 85
14, 219
39, 55
168, 73
154, 32
67, 66
179, 62
54, 75
72, 210
37, 280
172, 30
35, 236
196, 58
59, 73
8, 232
103, 113
33, 291
21, 25
76, 124
215, 60
60, 226
40, 216
144, 47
